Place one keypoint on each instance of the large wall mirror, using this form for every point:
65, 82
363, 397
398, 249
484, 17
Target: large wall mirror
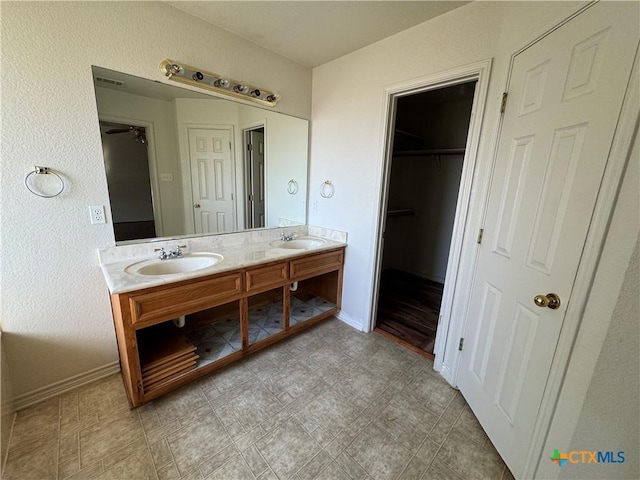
180, 162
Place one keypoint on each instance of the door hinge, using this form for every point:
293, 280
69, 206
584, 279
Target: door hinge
249, 147
480, 235
229, 145
251, 198
460, 344
504, 102
140, 387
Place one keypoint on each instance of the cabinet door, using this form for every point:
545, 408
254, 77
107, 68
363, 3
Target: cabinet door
264, 278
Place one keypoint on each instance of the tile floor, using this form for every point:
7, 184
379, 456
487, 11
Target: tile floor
329, 403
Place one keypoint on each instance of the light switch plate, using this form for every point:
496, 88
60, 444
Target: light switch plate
166, 177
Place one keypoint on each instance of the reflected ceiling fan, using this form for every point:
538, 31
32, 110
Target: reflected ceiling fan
140, 135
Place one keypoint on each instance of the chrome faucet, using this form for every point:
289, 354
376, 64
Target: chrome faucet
288, 238
171, 254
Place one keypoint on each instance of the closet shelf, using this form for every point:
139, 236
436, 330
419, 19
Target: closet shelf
426, 152
400, 212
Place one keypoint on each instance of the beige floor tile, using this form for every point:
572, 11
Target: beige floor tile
414, 470
193, 445
362, 383
333, 472
439, 471
108, 437
427, 387
35, 460
407, 420
136, 465
468, 459
330, 410
233, 468
216, 461
180, 403
103, 398
254, 404
37, 422
378, 453
254, 460
287, 448
313, 468
468, 424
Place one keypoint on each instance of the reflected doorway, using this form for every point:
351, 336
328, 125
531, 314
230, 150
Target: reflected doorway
128, 177
255, 177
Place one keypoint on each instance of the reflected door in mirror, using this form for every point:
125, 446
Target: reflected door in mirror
212, 180
255, 180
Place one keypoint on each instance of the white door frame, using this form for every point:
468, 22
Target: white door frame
479, 72
153, 165
594, 245
185, 166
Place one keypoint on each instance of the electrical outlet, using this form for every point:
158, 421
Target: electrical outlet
97, 214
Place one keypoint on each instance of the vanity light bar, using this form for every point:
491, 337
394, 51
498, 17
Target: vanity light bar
193, 76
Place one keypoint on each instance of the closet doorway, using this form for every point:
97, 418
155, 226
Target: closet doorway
428, 151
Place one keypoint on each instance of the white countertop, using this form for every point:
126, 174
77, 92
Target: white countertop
235, 257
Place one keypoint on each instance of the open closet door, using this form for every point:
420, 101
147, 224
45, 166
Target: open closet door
564, 99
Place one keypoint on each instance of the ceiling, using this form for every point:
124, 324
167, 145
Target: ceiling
312, 33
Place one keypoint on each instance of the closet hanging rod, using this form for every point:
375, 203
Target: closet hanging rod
425, 152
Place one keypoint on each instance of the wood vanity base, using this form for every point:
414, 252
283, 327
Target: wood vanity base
157, 357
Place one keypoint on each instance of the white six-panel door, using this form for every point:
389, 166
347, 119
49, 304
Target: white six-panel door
564, 98
212, 180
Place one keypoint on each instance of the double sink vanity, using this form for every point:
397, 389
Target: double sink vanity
214, 299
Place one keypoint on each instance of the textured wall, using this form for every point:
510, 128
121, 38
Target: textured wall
55, 306
610, 416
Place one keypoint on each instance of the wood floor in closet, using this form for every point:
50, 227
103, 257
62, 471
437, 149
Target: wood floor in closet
408, 309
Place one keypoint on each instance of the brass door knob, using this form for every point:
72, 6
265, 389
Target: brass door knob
196, 205
550, 300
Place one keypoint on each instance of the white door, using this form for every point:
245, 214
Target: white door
212, 180
256, 180
564, 99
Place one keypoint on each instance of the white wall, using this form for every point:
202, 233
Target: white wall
347, 127
161, 114
55, 306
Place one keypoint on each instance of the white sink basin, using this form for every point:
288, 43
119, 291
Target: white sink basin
301, 243
189, 262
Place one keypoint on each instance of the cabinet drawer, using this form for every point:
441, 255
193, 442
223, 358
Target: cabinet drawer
316, 265
165, 304
264, 278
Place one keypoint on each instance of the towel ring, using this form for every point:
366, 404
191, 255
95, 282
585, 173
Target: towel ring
327, 189
292, 187
43, 171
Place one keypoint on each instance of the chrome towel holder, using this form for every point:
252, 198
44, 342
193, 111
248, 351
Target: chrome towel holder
327, 189
37, 170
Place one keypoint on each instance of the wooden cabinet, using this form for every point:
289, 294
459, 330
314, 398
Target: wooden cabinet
226, 317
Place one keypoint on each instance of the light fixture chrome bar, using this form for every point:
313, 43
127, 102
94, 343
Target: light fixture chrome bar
217, 83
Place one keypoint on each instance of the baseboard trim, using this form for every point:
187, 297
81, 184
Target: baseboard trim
63, 386
349, 320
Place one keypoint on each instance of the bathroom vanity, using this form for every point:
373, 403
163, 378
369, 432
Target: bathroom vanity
171, 329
